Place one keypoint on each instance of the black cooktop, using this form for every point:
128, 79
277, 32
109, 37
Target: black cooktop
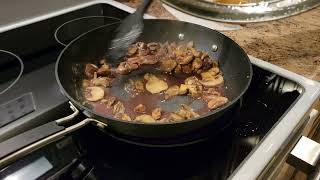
104, 157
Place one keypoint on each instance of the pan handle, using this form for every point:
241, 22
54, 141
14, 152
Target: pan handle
29, 141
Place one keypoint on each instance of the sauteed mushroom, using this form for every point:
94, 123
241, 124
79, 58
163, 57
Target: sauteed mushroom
155, 85
145, 118
140, 108
184, 71
93, 93
156, 113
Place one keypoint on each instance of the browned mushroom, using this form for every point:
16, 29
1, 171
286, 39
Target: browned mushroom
140, 108
196, 64
196, 53
186, 112
210, 74
104, 70
93, 93
186, 68
168, 65
176, 117
216, 102
137, 84
185, 59
90, 69
153, 46
156, 113
126, 68
171, 91
123, 116
217, 80
118, 108
155, 85
132, 50
85, 83
109, 101
102, 81
145, 118
183, 89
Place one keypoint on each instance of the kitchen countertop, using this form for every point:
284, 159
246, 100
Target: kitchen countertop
292, 43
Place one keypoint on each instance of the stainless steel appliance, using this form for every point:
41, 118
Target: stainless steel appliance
277, 109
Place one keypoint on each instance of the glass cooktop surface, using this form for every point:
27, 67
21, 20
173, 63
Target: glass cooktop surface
267, 99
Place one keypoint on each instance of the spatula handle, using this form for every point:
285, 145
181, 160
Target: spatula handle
141, 9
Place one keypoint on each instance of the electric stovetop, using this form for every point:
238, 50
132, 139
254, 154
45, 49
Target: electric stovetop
91, 154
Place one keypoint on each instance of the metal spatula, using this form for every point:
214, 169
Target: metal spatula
126, 34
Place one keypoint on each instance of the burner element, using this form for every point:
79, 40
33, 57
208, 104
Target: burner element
9, 59
70, 30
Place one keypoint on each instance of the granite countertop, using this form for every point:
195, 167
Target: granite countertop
292, 43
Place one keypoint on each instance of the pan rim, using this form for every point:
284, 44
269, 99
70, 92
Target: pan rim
216, 111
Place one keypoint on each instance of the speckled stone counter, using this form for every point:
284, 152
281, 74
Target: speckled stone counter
292, 43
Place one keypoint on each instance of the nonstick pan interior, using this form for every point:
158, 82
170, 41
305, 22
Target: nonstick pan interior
90, 48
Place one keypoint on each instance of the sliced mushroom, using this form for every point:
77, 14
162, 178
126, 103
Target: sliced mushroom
123, 116
153, 46
204, 55
147, 76
196, 64
132, 50
196, 53
210, 74
143, 51
140, 108
191, 80
104, 70
185, 59
155, 85
90, 69
195, 90
156, 113
168, 65
137, 85
141, 45
207, 63
217, 80
93, 93
145, 118
183, 89
149, 59
186, 68
176, 117
171, 91
217, 102
85, 83
118, 108
109, 101
102, 81
126, 68
186, 112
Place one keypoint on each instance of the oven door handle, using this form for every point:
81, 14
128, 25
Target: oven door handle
305, 156
29, 141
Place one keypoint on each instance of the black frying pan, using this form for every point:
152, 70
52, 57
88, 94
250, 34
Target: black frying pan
91, 46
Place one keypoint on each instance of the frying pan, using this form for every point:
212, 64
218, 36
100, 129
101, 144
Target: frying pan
91, 46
